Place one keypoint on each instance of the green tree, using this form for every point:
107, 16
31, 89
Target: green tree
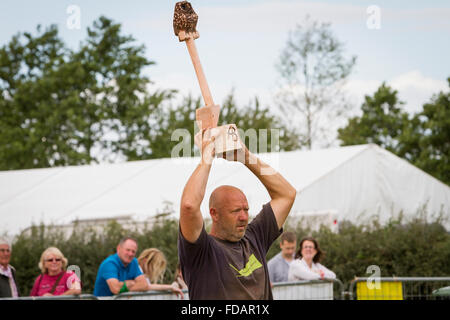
313, 70
255, 117
69, 107
431, 150
423, 138
175, 126
381, 123
59, 106
251, 116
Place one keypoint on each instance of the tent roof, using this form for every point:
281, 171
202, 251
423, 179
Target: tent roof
349, 180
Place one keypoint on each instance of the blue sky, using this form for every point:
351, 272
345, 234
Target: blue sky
240, 41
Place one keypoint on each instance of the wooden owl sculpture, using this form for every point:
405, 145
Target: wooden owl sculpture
185, 21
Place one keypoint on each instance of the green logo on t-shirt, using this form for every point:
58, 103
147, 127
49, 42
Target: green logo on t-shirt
252, 265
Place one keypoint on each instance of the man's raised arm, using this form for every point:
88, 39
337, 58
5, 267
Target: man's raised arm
191, 221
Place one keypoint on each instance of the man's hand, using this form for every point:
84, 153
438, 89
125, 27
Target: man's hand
114, 285
322, 274
241, 155
208, 149
177, 291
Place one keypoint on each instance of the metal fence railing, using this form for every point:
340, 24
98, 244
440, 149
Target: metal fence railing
328, 289
395, 288
399, 288
150, 295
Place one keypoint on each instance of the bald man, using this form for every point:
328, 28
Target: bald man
229, 262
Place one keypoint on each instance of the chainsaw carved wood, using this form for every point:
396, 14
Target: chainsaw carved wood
185, 27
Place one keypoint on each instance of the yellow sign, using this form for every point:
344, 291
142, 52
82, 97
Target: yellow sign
382, 291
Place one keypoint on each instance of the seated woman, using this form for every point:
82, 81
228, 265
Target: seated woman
153, 264
55, 280
306, 266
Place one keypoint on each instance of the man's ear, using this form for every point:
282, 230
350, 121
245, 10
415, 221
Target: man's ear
214, 214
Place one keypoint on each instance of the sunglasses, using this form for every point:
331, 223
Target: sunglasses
54, 259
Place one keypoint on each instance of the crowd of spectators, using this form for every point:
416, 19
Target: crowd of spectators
118, 273
123, 272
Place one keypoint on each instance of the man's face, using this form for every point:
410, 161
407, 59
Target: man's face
288, 249
5, 255
127, 251
232, 216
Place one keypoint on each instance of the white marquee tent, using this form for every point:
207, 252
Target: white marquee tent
354, 182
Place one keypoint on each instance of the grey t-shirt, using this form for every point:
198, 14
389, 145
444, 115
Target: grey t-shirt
223, 270
278, 268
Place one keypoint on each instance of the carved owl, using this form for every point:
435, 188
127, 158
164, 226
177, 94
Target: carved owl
185, 19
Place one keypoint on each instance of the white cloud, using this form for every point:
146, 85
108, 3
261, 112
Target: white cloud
413, 88
271, 16
425, 19
246, 63
279, 16
183, 82
416, 89
356, 89
275, 16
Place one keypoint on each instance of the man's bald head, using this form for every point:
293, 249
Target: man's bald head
221, 194
228, 208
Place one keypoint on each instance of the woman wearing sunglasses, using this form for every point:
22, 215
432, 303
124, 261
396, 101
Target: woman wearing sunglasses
54, 279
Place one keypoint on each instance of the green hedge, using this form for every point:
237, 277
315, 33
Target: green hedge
413, 248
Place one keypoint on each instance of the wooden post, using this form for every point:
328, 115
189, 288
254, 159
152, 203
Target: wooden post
207, 97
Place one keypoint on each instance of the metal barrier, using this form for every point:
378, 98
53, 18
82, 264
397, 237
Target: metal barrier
399, 288
148, 295
327, 289
74, 297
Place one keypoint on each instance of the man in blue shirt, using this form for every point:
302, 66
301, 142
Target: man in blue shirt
120, 272
279, 264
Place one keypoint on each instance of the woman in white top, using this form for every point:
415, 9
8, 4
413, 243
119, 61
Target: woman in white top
306, 266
